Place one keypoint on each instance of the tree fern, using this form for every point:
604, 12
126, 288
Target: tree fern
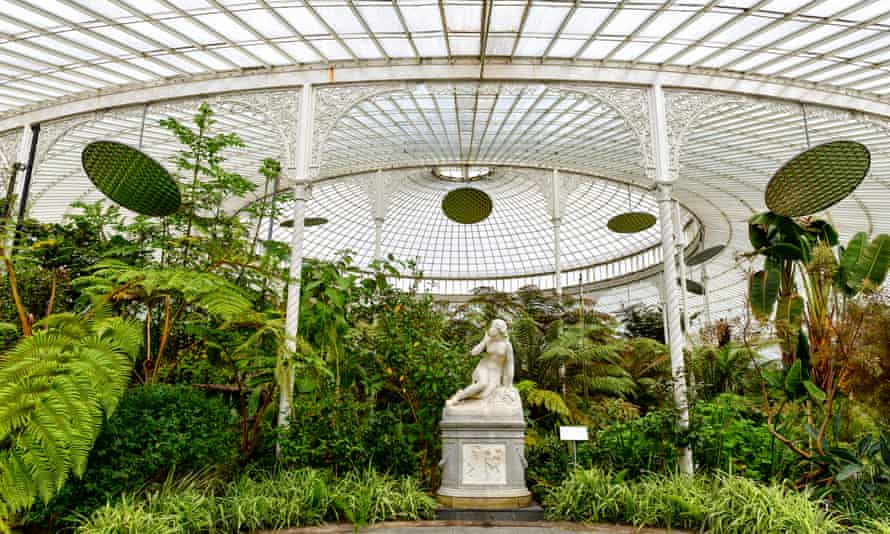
214, 294
55, 389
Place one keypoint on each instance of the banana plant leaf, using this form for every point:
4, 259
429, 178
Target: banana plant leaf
763, 289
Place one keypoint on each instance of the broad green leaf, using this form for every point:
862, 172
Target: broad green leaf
763, 288
852, 253
872, 264
794, 379
785, 251
790, 309
815, 391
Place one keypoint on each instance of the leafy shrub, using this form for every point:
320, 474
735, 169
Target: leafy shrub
723, 504
284, 499
646, 444
724, 435
155, 429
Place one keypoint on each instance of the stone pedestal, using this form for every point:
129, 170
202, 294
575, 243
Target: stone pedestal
483, 453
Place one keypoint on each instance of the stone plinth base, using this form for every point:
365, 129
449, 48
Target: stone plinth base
483, 454
532, 512
485, 503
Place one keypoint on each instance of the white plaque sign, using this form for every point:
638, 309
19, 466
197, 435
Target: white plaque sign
484, 464
573, 433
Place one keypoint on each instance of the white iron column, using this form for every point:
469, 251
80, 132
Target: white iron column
302, 178
20, 164
379, 214
681, 261
664, 181
557, 221
706, 297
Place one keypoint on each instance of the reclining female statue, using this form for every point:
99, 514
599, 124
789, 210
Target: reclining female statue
494, 370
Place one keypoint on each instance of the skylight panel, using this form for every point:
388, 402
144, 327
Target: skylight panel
364, 48
381, 18
268, 54
106, 8
27, 55
190, 5
464, 45
397, 47
226, 26
851, 39
303, 20
212, 62
565, 47
498, 45
340, 19
266, 24
830, 75
431, 46
238, 57
828, 8
152, 66
422, 17
546, 18
506, 17
64, 11
463, 17
730, 28
877, 10
630, 51
880, 44
784, 64
782, 30
301, 52
531, 46
662, 52
102, 75
785, 6
331, 49
599, 49
194, 31
626, 21
666, 22
813, 34
132, 72
131, 41
753, 60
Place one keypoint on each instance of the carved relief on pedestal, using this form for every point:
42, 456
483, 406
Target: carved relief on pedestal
484, 463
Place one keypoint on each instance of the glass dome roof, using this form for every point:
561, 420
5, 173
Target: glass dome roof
514, 242
52, 50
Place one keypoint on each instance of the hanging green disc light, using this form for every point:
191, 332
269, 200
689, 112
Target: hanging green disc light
131, 178
467, 205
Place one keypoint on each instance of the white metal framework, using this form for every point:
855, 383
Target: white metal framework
523, 87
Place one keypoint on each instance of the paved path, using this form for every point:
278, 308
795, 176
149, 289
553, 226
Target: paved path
470, 527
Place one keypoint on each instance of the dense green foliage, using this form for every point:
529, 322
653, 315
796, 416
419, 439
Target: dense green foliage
156, 431
278, 500
187, 314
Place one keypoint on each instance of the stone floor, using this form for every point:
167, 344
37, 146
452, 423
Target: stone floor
469, 527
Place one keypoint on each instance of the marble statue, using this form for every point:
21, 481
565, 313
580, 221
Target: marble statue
483, 433
494, 370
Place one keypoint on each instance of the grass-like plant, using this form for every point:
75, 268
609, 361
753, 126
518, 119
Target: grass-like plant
723, 504
285, 499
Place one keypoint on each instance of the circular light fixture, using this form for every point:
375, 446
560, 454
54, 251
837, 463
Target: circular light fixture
704, 255
818, 178
307, 222
467, 205
462, 173
631, 222
130, 178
